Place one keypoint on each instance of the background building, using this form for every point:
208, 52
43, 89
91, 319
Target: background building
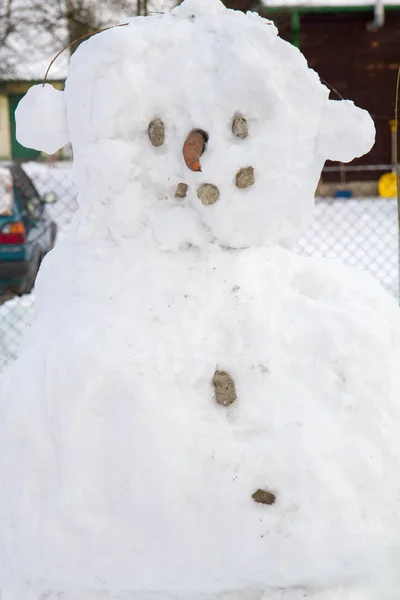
355, 47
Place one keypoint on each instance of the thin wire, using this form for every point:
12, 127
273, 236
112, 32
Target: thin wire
80, 39
332, 88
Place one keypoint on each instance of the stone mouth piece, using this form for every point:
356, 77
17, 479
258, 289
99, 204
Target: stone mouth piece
193, 148
208, 194
181, 190
245, 178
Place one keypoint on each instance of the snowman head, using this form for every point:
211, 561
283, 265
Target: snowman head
200, 125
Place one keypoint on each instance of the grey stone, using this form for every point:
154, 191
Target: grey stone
245, 178
208, 194
181, 190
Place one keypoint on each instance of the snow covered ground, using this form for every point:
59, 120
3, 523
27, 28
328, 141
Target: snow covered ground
360, 232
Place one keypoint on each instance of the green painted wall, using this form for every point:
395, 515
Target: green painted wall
18, 152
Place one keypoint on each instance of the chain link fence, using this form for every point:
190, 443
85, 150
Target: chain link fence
362, 232
16, 313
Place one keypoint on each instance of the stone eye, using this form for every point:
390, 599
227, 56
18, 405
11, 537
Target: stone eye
156, 132
240, 127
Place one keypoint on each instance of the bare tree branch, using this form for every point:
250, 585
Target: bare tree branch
5, 22
33, 31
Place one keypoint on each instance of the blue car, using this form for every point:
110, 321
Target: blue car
26, 231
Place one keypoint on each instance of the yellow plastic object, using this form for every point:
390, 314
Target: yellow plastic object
387, 185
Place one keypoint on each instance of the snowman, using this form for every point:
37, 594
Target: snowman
198, 413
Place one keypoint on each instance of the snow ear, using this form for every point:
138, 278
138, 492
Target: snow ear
346, 131
41, 119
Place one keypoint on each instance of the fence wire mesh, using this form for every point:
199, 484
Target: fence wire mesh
361, 232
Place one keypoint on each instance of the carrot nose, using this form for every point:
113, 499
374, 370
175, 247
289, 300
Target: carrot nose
193, 148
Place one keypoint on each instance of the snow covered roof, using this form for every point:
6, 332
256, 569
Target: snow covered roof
327, 3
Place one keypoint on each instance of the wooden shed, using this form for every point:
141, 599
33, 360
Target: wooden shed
355, 48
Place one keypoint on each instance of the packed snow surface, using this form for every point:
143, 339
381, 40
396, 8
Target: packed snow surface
122, 477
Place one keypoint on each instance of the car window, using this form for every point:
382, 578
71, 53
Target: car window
30, 198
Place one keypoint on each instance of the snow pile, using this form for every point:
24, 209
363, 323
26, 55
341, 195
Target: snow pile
6, 192
198, 412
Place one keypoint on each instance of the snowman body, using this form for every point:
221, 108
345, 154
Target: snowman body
134, 475
123, 475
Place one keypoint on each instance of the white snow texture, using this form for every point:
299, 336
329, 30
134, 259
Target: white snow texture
122, 478
41, 121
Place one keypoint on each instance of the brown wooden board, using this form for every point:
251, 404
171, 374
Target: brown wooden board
362, 65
